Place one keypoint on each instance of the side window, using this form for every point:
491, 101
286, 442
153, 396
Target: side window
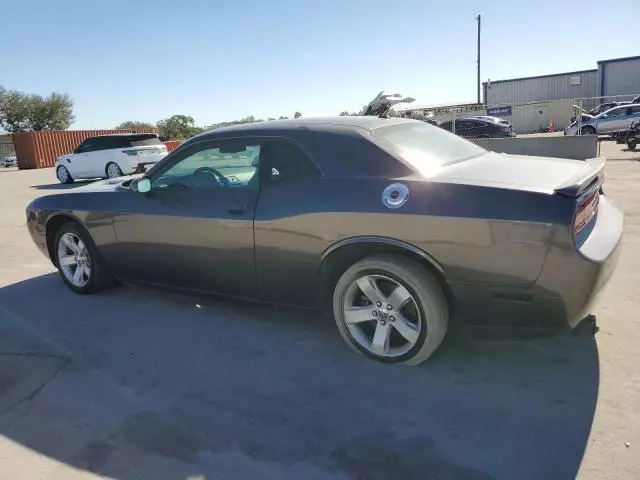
635, 110
226, 164
84, 146
284, 161
446, 125
618, 112
464, 127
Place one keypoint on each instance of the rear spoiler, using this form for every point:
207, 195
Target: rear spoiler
591, 173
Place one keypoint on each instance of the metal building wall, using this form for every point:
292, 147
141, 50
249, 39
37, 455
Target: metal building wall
620, 76
540, 89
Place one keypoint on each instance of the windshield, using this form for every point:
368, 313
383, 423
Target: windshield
426, 147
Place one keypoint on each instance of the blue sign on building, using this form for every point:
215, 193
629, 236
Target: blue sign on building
499, 111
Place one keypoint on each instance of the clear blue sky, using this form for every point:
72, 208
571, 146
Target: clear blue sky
213, 60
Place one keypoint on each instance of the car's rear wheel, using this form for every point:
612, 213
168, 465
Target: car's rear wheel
588, 130
78, 260
113, 170
391, 309
63, 175
632, 144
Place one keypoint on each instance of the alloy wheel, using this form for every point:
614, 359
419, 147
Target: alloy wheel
382, 315
74, 260
63, 174
113, 171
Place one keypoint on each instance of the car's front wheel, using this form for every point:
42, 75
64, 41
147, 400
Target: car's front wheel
588, 130
78, 260
391, 309
632, 144
63, 175
113, 170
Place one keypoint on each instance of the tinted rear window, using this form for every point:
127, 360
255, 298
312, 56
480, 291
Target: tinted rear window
426, 147
144, 141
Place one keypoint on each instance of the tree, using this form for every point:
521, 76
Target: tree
134, 125
347, 114
177, 127
282, 117
297, 115
249, 119
21, 112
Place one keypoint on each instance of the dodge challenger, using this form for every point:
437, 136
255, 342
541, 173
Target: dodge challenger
391, 224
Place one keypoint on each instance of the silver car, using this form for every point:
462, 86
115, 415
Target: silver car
616, 119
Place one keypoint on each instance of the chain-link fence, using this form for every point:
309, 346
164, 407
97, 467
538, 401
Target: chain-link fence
607, 117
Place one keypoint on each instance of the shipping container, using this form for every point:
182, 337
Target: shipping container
172, 144
40, 149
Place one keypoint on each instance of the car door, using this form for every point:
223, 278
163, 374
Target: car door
78, 163
99, 156
612, 120
194, 228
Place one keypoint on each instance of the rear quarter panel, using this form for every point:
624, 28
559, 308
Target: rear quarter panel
475, 234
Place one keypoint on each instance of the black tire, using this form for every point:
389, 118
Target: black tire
588, 130
63, 175
112, 170
99, 277
632, 144
425, 290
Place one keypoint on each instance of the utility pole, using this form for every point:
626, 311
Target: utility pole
478, 19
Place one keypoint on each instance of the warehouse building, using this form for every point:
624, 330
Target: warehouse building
618, 77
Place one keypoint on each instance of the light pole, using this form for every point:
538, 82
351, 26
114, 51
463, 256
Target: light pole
478, 18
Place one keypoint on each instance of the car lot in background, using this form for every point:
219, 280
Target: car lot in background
480, 127
612, 122
139, 383
109, 156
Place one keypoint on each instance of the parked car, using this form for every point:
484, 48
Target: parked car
614, 121
390, 223
110, 156
480, 127
597, 110
10, 161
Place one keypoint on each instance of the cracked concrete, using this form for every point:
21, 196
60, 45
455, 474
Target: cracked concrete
137, 384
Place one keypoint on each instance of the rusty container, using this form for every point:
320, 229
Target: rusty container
40, 149
172, 144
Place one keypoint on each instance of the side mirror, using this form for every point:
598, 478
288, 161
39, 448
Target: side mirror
143, 185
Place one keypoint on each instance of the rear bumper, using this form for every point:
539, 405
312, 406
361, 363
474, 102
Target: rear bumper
567, 289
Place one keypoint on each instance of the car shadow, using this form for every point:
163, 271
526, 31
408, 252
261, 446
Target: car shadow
61, 186
138, 383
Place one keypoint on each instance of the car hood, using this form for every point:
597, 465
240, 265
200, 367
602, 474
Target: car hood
109, 185
515, 172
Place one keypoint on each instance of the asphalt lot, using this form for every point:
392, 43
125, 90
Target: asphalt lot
142, 384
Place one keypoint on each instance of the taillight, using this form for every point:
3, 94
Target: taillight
586, 211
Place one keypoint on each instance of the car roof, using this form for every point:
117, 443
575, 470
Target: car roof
346, 122
137, 134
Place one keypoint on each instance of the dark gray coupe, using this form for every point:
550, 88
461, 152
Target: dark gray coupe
394, 223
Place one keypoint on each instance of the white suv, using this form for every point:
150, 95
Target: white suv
110, 156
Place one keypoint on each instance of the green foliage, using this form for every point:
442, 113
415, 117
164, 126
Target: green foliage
249, 119
134, 125
22, 112
297, 115
347, 114
177, 127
